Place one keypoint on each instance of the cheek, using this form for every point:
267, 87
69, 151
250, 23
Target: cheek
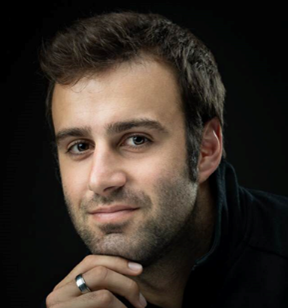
157, 176
74, 181
168, 164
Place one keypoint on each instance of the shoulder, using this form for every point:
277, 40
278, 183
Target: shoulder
267, 221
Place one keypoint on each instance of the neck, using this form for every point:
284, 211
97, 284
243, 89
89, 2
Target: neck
163, 283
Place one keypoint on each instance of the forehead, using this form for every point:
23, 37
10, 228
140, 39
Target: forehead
131, 90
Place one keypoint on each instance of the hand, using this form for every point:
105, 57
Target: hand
105, 276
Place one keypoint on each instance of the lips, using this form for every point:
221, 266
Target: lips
112, 209
116, 213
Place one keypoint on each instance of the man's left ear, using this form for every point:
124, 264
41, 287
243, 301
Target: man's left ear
211, 149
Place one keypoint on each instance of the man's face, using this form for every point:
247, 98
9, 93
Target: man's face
122, 155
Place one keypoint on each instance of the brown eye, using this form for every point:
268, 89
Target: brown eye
82, 147
138, 140
79, 147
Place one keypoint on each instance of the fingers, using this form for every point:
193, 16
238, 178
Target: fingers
116, 264
106, 276
102, 298
102, 278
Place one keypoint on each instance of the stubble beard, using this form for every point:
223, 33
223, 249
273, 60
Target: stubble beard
158, 235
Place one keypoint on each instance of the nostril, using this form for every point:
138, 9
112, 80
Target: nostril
105, 184
112, 188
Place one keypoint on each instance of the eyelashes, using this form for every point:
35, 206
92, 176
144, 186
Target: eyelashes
132, 142
138, 141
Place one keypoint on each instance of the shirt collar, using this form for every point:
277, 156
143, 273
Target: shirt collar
230, 217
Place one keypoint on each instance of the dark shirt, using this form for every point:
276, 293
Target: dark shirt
247, 265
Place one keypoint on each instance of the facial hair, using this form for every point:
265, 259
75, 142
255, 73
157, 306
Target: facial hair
165, 223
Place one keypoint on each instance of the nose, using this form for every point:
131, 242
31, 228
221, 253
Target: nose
106, 174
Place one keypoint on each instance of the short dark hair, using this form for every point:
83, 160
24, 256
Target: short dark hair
95, 44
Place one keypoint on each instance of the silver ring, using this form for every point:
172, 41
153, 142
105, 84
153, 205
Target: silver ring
81, 284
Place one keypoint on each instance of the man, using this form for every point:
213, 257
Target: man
136, 105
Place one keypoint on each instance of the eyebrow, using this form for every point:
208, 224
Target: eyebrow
113, 128
72, 132
119, 127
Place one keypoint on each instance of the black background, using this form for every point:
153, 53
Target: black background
38, 245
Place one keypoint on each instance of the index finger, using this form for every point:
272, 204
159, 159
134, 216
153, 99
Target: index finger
117, 264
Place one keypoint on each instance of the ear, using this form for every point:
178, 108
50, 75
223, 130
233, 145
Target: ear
211, 149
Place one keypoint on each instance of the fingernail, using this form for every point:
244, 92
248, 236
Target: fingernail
134, 266
142, 300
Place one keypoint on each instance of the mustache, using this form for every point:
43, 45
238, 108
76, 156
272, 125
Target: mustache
125, 196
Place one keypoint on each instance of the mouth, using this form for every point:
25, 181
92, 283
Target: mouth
113, 214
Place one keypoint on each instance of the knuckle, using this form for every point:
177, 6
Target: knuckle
51, 300
92, 296
90, 259
105, 298
133, 287
101, 272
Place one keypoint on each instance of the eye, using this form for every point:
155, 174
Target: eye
137, 141
77, 148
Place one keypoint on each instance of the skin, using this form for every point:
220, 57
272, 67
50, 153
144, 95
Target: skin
140, 166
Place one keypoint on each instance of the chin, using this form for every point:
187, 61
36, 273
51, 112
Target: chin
119, 245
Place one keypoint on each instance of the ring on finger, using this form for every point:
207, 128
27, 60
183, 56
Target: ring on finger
81, 284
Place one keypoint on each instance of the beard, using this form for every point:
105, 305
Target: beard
164, 224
